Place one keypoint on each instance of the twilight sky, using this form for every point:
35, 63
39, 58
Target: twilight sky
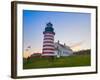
71, 28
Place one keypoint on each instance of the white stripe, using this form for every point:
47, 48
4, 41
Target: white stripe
48, 44
48, 40
48, 34
48, 50
52, 37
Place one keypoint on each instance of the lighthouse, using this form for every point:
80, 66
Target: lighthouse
48, 41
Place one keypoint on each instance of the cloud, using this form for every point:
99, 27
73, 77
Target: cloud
77, 44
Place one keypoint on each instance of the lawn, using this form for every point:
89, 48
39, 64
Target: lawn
69, 61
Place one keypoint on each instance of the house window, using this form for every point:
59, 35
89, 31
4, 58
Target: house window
64, 52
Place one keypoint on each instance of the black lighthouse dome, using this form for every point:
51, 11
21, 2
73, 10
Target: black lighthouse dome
49, 28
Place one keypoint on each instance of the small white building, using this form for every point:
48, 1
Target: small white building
62, 50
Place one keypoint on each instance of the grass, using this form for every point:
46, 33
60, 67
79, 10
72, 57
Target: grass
69, 61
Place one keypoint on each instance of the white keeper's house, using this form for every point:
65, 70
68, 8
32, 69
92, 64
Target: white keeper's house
62, 50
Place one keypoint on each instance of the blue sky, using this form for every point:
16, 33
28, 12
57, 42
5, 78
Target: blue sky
71, 28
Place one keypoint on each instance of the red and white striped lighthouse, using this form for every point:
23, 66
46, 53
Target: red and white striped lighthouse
48, 41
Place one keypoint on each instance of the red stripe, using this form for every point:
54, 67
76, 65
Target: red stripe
48, 39
48, 49
48, 45
48, 42
48, 35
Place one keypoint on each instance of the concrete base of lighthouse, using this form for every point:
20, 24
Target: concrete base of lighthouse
49, 57
48, 54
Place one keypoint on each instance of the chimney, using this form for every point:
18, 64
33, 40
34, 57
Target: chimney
64, 44
58, 41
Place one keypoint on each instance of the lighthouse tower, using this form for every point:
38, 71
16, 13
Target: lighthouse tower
48, 41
